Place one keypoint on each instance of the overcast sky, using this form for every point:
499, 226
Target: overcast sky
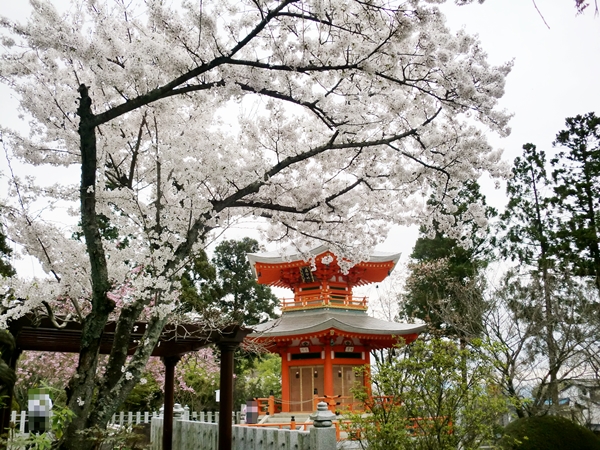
556, 72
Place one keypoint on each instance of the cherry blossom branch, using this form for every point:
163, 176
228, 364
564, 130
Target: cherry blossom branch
166, 90
283, 208
52, 317
26, 216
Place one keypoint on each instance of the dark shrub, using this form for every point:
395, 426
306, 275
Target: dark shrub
548, 433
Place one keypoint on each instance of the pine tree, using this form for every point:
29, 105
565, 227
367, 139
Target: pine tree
244, 299
226, 286
576, 179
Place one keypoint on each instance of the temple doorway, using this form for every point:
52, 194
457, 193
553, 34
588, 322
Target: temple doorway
345, 379
305, 382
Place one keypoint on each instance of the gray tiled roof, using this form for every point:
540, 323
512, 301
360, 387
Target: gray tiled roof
315, 320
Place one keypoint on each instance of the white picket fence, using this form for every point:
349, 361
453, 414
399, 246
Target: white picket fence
131, 418
135, 418
19, 419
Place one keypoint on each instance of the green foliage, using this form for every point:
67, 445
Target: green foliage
255, 376
61, 417
7, 355
245, 300
144, 397
6, 269
576, 183
527, 222
202, 384
439, 397
445, 286
33, 441
123, 438
553, 223
550, 227
259, 379
227, 286
199, 287
108, 231
548, 433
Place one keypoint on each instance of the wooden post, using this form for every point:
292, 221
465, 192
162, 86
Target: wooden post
271, 405
227, 349
170, 362
8, 391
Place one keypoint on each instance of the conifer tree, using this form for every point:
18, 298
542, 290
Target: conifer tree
576, 185
445, 286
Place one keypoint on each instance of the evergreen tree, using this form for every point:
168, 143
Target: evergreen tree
576, 180
200, 290
549, 230
527, 222
225, 285
244, 299
445, 287
528, 225
6, 269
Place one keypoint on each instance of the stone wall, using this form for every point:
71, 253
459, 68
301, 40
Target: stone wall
190, 435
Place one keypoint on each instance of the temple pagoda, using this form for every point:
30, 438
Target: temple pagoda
324, 332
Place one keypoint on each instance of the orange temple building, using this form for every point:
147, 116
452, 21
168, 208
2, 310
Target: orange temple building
324, 332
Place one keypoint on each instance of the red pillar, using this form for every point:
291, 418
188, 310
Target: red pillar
328, 371
367, 371
285, 382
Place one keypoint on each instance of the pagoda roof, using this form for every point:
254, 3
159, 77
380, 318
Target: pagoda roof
281, 269
316, 322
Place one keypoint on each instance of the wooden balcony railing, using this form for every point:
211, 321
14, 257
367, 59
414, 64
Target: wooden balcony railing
321, 300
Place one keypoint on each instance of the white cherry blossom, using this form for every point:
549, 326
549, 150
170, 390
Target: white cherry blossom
329, 119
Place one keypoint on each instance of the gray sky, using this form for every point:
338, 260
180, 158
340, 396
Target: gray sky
556, 73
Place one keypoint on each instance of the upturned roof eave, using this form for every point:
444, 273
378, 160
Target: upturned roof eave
278, 258
295, 325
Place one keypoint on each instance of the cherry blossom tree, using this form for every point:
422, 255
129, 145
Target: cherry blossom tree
331, 120
37, 369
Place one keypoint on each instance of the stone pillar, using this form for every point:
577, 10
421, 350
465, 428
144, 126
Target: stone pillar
322, 435
167, 439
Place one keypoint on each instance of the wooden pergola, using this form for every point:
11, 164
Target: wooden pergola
176, 340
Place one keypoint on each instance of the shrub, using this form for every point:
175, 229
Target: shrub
548, 433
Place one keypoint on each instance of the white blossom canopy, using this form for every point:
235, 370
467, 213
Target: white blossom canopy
332, 119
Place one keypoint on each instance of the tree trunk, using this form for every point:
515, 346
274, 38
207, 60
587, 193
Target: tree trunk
82, 387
